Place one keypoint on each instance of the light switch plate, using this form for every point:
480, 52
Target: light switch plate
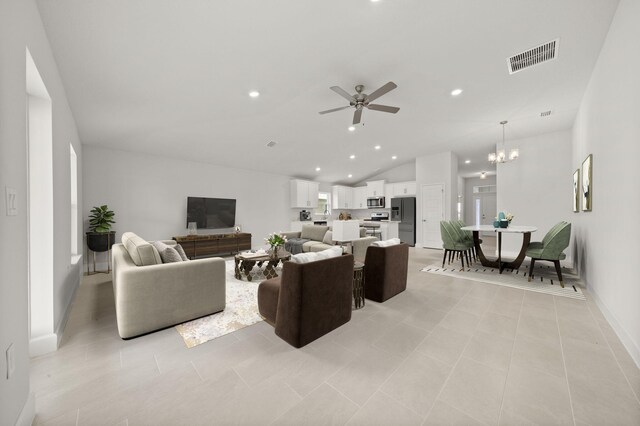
10, 200
11, 361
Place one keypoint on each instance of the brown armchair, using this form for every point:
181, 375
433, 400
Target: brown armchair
308, 300
385, 271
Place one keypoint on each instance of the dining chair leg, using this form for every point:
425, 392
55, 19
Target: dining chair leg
559, 272
466, 255
533, 261
460, 253
444, 257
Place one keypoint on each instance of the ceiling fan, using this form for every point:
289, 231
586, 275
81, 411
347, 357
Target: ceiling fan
361, 100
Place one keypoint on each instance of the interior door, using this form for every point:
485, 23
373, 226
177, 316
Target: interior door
485, 210
432, 213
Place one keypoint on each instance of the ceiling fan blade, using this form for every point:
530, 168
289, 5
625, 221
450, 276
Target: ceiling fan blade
334, 109
357, 116
381, 91
383, 108
342, 93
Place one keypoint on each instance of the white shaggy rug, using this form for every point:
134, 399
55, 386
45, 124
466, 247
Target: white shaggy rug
544, 279
241, 311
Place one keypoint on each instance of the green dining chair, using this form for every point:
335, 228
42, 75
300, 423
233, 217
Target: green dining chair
551, 248
452, 243
469, 237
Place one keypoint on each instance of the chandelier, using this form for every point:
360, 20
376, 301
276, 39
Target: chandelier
500, 155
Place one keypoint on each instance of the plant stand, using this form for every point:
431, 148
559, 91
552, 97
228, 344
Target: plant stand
100, 247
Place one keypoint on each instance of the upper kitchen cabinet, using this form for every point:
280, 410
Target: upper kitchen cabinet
375, 188
360, 197
304, 193
404, 189
342, 197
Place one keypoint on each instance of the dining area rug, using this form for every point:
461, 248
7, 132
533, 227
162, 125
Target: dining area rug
545, 279
241, 310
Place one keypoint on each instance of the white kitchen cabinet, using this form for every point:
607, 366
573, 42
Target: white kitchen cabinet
342, 197
375, 188
388, 194
304, 193
404, 189
360, 197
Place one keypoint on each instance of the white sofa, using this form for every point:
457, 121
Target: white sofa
150, 295
320, 237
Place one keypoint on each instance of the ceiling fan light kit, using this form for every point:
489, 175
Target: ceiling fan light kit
361, 100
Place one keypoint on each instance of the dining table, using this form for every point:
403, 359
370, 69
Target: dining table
499, 262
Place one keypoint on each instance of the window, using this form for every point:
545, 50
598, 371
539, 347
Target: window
73, 170
324, 204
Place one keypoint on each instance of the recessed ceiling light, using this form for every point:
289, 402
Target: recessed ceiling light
377, 147
393, 157
254, 93
349, 175
317, 169
352, 156
352, 128
467, 161
483, 175
456, 92
375, 1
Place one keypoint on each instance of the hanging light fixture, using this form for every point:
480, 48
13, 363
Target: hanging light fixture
500, 155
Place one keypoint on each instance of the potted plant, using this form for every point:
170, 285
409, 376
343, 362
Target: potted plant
100, 236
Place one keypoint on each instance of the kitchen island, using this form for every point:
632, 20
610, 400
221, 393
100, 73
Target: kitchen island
384, 229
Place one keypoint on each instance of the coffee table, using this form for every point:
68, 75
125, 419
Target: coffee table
245, 262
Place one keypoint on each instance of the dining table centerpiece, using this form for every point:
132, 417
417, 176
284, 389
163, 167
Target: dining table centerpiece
503, 220
275, 241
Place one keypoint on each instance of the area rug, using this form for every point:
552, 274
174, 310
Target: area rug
241, 311
545, 279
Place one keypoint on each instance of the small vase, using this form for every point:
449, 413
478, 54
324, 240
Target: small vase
496, 224
273, 252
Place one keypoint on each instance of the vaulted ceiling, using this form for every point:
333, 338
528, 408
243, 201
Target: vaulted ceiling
172, 78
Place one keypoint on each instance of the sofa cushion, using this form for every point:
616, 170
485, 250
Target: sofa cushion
386, 243
320, 247
314, 232
306, 247
168, 254
328, 238
314, 256
141, 252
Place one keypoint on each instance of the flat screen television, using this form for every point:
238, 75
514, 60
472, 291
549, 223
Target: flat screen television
211, 213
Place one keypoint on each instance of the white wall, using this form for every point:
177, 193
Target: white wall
149, 193
537, 188
607, 126
437, 169
403, 173
21, 27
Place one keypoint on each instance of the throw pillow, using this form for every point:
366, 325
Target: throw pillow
329, 253
313, 232
328, 238
181, 252
168, 254
386, 243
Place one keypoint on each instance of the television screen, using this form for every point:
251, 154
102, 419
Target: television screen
211, 213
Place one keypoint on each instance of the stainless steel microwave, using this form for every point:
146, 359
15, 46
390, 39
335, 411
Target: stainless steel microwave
375, 202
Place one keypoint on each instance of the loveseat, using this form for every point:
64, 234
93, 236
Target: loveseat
151, 295
320, 238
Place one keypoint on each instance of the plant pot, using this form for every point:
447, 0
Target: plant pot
100, 241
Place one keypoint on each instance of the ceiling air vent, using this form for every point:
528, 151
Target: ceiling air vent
545, 113
537, 55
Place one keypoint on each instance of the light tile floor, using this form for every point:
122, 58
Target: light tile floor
446, 351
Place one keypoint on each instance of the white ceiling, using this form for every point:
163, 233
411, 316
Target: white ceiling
172, 77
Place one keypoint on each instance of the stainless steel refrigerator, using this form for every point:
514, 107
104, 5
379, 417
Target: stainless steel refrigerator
404, 210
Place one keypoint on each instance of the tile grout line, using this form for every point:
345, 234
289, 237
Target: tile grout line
157, 365
197, 372
444, 385
564, 364
77, 416
504, 391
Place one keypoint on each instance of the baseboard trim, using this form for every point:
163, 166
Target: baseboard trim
43, 345
622, 334
28, 413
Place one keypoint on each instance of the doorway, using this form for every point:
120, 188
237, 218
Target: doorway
432, 213
485, 210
